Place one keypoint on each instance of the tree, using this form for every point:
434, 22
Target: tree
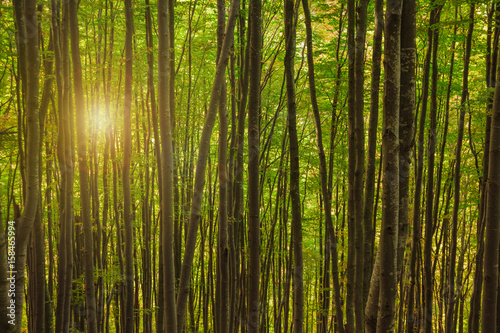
330, 237
127, 155
25, 224
298, 261
490, 277
253, 165
390, 165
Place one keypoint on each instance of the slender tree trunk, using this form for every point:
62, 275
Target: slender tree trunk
450, 322
222, 241
298, 264
368, 216
418, 183
330, 237
429, 223
127, 155
351, 110
390, 165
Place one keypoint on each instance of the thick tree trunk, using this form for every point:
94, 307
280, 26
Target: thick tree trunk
65, 152
406, 126
167, 165
18, 239
83, 169
490, 278
359, 169
390, 166
254, 55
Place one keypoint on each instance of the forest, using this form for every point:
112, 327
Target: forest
249, 166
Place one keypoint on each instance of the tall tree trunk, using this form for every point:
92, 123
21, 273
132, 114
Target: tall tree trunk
127, 155
450, 322
253, 165
23, 228
222, 235
491, 67
351, 109
368, 216
406, 116
418, 183
298, 262
330, 237
83, 169
65, 152
359, 169
429, 223
490, 278
390, 165
167, 201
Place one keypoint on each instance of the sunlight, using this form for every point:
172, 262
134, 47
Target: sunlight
98, 120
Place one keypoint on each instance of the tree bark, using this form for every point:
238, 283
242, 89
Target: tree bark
83, 168
390, 166
359, 169
167, 165
298, 262
22, 230
127, 155
490, 278
222, 240
254, 54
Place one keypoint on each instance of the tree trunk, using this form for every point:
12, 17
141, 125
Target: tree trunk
368, 214
490, 278
222, 241
18, 239
429, 223
390, 165
359, 169
406, 126
450, 322
351, 139
330, 237
83, 169
127, 155
167, 199
298, 264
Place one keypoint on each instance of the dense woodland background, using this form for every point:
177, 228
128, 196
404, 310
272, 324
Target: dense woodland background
253, 166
